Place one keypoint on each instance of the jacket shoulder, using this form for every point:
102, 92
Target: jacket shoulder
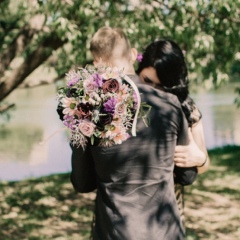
158, 97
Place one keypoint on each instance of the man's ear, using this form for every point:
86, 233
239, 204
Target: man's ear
134, 53
95, 63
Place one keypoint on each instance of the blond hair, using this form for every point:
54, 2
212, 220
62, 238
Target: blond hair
108, 43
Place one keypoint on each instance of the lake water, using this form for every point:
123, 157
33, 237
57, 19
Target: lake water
221, 117
35, 119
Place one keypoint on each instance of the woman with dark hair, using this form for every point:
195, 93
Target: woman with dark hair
163, 66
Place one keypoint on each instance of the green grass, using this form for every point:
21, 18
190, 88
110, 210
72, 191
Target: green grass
44, 208
48, 208
212, 203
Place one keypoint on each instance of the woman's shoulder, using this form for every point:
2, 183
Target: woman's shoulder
196, 115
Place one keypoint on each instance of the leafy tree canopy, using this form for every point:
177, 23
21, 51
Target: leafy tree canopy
58, 32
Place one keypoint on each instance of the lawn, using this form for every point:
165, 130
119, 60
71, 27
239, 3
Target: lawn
48, 208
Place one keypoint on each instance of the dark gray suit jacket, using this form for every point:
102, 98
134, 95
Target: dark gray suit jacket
134, 180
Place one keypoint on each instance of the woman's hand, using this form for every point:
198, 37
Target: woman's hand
189, 155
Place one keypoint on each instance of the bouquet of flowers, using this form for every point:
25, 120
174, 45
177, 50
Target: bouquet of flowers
100, 105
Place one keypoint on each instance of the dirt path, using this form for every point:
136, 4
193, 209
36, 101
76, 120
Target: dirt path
48, 209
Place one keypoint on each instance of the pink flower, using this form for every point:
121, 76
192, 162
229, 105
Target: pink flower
113, 131
117, 134
121, 137
89, 86
69, 105
87, 128
111, 85
139, 57
120, 109
124, 93
72, 77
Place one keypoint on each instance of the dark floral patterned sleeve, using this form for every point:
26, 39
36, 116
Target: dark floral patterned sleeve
184, 176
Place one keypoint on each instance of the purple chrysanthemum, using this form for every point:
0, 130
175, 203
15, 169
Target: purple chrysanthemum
72, 82
69, 121
98, 79
109, 105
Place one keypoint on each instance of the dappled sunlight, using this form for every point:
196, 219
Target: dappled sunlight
47, 201
46, 207
49, 208
212, 204
226, 182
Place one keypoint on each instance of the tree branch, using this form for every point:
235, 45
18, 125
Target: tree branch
6, 107
17, 45
32, 61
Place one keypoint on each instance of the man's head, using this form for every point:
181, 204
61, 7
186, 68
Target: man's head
111, 46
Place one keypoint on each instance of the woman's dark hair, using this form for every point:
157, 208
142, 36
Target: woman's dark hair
168, 60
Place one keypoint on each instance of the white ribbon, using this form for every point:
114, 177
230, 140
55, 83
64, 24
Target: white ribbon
130, 81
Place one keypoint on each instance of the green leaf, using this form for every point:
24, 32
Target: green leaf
92, 139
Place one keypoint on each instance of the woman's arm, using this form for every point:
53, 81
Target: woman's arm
194, 154
198, 137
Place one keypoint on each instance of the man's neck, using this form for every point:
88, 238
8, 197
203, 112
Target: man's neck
127, 67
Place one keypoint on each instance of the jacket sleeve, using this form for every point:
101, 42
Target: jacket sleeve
83, 177
60, 112
184, 176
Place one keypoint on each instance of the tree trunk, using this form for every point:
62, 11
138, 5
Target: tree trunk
31, 62
18, 45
